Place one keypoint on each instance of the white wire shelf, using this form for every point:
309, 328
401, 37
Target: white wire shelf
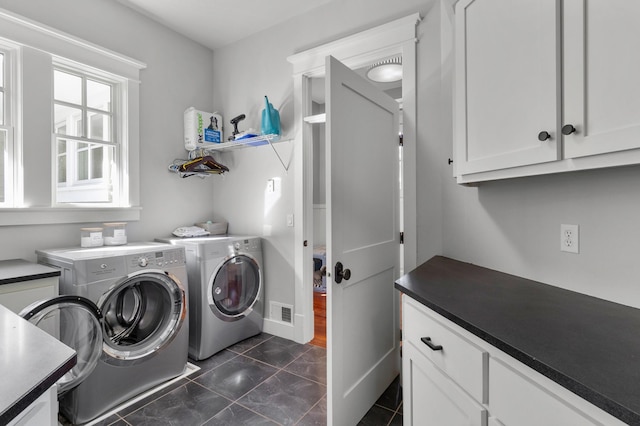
246, 143
241, 143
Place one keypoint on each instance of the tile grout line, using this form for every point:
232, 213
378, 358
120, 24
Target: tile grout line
191, 379
309, 410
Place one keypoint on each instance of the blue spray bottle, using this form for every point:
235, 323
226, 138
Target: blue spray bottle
270, 119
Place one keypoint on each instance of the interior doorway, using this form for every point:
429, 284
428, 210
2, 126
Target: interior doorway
319, 229
347, 311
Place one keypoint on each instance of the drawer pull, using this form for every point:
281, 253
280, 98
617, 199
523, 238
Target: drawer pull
427, 341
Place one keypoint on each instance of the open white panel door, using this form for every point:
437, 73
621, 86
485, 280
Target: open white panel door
363, 236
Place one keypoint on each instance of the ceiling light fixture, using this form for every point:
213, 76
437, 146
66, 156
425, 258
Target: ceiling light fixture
386, 71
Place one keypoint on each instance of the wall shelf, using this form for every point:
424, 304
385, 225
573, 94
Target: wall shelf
229, 146
242, 143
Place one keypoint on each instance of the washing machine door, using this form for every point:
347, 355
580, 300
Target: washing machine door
235, 287
75, 321
142, 314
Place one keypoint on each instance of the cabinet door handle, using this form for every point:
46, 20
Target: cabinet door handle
567, 129
543, 136
427, 341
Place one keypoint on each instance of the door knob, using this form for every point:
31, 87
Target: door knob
341, 273
543, 136
567, 129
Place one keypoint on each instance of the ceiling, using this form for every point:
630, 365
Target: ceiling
218, 23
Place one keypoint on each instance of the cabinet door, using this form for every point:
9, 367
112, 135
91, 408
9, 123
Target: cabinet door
601, 76
518, 400
507, 83
432, 398
16, 296
42, 412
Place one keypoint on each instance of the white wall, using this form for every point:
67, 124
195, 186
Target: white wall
178, 75
257, 66
514, 225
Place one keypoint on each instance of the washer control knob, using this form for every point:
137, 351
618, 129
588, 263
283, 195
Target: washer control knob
143, 261
237, 246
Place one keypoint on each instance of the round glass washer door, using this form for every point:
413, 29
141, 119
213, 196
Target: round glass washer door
141, 314
235, 287
76, 322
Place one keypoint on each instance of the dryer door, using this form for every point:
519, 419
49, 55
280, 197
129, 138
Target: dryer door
75, 321
235, 287
142, 314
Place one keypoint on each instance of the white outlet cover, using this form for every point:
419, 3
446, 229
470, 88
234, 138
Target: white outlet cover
570, 238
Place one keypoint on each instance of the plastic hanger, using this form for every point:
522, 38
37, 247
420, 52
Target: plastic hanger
204, 164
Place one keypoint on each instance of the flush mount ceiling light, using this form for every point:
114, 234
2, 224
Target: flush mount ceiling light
386, 71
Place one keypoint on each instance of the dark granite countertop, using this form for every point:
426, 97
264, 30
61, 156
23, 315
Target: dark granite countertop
31, 361
17, 270
588, 345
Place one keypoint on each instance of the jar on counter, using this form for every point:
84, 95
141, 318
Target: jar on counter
91, 237
115, 233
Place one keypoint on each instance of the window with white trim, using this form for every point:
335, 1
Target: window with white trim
3, 131
69, 128
6, 126
86, 145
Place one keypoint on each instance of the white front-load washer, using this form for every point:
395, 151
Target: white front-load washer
124, 310
226, 288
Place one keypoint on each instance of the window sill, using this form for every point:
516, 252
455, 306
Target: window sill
48, 216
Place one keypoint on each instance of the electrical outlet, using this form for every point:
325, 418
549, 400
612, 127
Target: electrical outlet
569, 238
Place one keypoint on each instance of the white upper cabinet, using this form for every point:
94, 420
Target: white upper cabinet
602, 76
545, 86
507, 91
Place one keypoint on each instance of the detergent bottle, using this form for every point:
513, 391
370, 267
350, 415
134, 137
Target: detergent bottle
270, 119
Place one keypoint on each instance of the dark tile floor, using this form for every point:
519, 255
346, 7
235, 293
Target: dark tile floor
264, 380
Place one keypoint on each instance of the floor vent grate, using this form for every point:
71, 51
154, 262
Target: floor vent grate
281, 312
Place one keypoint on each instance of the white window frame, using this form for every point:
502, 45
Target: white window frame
39, 48
9, 51
82, 190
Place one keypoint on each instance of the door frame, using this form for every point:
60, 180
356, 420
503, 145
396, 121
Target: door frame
394, 38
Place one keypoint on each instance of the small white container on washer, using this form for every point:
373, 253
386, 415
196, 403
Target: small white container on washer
115, 234
91, 237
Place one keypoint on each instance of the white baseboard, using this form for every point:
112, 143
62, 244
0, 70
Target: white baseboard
279, 328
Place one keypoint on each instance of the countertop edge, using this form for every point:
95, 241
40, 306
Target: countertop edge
30, 277
21, 270
14, 410
610, 406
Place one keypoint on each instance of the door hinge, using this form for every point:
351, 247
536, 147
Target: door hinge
401, 139
401, 237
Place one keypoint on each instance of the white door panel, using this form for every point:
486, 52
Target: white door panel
363, 234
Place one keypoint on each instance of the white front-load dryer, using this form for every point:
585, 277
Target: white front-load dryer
226, 288
124, 310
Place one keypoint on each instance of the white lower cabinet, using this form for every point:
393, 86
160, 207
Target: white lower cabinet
516, 399
43, 411
433, 398
16, 296
458, 379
